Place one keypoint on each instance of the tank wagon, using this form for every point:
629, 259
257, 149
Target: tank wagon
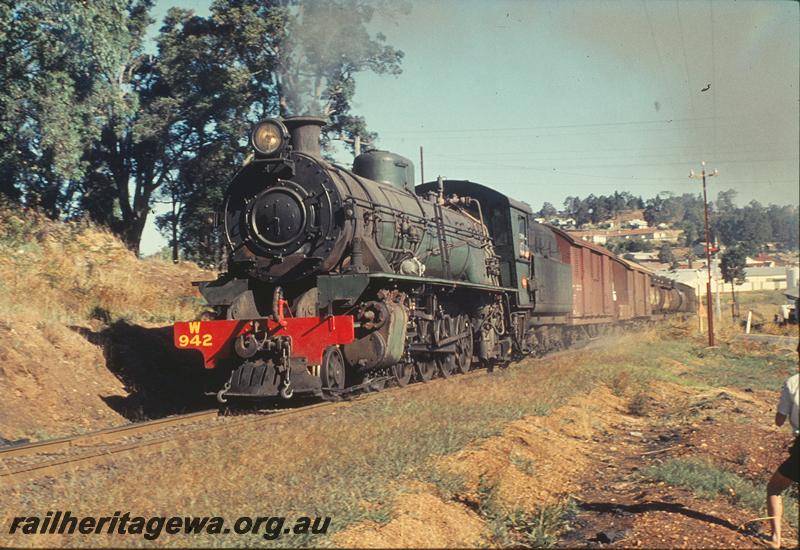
340, 279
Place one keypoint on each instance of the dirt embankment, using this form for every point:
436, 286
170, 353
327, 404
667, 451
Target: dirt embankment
81, 343
598, 463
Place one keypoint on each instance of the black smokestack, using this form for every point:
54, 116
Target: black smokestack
305, 131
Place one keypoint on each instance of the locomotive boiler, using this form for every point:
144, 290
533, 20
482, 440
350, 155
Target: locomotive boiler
344, 279
290, 215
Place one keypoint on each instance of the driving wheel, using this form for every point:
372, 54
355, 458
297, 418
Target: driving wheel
402, 373
463, 356
425, 369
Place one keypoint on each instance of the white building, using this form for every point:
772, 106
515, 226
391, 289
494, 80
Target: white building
757, 278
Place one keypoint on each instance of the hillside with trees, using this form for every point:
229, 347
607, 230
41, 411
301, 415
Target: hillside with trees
752, 226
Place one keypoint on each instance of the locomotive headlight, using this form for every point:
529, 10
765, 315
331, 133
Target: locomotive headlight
269, 137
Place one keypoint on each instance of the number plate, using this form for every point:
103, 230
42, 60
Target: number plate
196, 338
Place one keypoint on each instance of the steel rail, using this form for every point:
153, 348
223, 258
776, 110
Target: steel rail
121, 432
106, 442
133, 428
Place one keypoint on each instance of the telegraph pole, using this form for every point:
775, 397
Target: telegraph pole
357, 143
709, 309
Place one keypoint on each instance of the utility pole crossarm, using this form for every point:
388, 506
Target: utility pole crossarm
356, 141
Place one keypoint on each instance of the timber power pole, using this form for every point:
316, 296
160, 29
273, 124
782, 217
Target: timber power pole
357, 143
710, 311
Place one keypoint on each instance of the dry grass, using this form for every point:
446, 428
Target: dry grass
74, 272
346, 463
639, 405
763, 304
733, 362
780, 330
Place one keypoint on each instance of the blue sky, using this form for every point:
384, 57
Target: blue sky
545, 99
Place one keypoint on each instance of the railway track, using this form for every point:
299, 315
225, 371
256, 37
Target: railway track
58, 455
55, 456
52, 445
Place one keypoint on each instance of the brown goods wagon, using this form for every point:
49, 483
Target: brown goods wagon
639, 289
592, 278
623, 290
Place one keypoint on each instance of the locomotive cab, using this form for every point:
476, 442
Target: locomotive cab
529, 257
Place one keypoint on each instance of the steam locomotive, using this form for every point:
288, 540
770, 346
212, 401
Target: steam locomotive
340, 279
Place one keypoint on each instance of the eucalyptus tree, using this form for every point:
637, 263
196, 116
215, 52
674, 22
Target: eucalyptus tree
732, 266
64, 74
248, 60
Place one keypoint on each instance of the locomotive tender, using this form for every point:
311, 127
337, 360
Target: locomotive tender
340, 279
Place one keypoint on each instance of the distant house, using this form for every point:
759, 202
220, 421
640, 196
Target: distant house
642, 257
761, 260
563, 222
634, 224
756, 278
764, 278
601, 236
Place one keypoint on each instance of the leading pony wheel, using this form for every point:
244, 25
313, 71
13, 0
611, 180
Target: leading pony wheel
332, 369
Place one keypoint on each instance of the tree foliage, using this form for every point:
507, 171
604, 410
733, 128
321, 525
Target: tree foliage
621, 246
733, 264
64, 79
665, 255
752, 226
548, 211
596, 209
92, 125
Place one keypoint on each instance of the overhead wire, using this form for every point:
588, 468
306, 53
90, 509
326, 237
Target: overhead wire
544, 127
532, 135
686, 63
715, 85
629, 165
664, 79
575, 155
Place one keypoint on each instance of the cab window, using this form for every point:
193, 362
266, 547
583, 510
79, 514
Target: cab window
522, 229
